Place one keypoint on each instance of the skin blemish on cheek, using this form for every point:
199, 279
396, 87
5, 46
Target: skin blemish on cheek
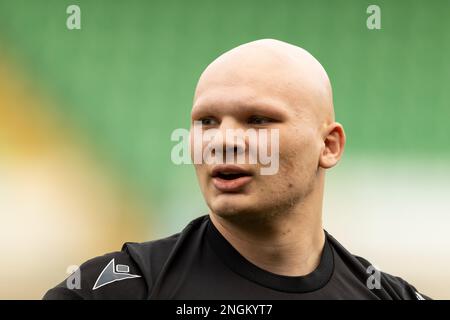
290, 185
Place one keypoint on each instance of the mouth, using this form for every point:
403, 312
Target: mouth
230, 178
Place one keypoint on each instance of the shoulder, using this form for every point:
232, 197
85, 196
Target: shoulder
111, 276
126, 274
387, 285
397, 287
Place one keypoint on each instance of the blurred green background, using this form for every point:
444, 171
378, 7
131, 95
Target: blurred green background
116, 89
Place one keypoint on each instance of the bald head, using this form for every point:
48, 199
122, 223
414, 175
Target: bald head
268, 85
269, 70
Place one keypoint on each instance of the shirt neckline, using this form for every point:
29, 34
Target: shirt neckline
292, 284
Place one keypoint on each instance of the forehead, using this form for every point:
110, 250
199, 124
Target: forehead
259, 80
265, 78
238, 98
269, 95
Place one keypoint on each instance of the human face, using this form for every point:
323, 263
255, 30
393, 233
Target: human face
255, 105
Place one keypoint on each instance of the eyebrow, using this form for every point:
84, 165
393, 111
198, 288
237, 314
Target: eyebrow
271, 107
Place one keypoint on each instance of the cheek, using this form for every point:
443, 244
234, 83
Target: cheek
299, 153
202, 179
201, 172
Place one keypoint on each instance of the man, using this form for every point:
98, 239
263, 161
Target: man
263, 237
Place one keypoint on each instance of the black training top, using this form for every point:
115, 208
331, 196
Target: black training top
199, 263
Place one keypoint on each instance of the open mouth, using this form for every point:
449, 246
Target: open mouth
229, 172
229, 178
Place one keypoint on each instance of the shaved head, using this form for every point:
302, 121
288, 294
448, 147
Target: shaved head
269, 84
278, 68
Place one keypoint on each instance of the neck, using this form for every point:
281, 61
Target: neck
287, 243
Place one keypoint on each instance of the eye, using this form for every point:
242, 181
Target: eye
259, 120
208, 121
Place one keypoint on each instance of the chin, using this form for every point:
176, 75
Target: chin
236, 205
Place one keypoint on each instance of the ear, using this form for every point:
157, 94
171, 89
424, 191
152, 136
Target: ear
334, 142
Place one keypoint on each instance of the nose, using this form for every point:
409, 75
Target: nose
231, 141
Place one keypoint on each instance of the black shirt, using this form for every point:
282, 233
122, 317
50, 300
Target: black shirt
199, 263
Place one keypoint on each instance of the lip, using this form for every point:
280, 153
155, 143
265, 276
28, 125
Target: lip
233, 185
